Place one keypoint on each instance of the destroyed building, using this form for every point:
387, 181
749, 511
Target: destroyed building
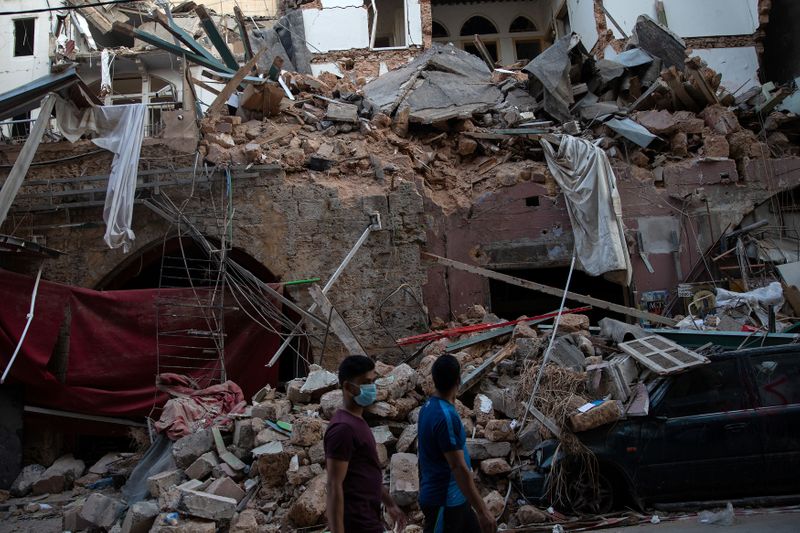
232, 220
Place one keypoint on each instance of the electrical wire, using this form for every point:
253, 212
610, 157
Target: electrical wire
67, 8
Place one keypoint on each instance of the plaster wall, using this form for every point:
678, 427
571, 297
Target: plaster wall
738, 66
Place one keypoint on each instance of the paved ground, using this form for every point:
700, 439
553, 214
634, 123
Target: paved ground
788, 522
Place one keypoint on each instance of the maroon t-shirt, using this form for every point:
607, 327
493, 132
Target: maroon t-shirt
349, 438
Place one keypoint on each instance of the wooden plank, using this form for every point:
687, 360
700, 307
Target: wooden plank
206, 86
337, 324
470, 341
233, 84
484, 368
487, 58
700, 81
546, 289
644, 349
650, 90
679, 94
545, 421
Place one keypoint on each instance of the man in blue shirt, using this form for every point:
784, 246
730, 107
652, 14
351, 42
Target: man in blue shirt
447, 493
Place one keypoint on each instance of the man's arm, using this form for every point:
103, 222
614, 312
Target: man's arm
337, 470
463, 477
393, 509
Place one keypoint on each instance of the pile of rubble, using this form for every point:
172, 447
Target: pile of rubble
261, 467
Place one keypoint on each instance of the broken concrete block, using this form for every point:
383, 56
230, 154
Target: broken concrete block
720, 119
483, 408
25, 480
140, 517
382, 410
404, 479
100, 511
295, 393
160, 482
499, 430
408, 438
466, 146
59, 476
102, 466
383, 435
687, 122
205, 505
528, 514
309, 508
572, 323
70, 518
716, 146
397, 383
225, 486
529, 438
217, 155
301, 476
495, 466
316, 453
307, 430
565, 353
329, 403
272, 409
245, 431
319, 382
268, 435
524, 331
224, 140
187, 449
184, 525
202, 467
342, 112
657, 122
248, 521
272, 462
482, 449
495, 503
679, 144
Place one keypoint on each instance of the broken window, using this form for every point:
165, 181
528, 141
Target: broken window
389, 30
439, 31
713, 388
23, 37
521, 24
778, 379
478, 26
527, 49
491, 47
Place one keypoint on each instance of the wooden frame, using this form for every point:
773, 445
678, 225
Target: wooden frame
661, 355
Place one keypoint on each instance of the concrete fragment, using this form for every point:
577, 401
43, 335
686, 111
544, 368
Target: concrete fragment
495, 466
329, 403
342, 112
272, 409
528, 514
217, 155
530, 437
383, 455
225, 486
272, 462
383, 435
397, 383
301, 476
102, 466
565, 353
269, 435
295, 393
203, 466
481, 449
25, 480
319, 382
187, 449
657, 122
495, 503
205, 505
483, 408
499, 430
466, 146
70, 518
687, 122
572, 323
140, 517
307, 430
248, 521
679, 144
720, 119
224, 140
715, 146
184, 525
404, 478
245, 431
160, 482
59, 476
382, 410
309, 508
316, 453
100, 511
408, 438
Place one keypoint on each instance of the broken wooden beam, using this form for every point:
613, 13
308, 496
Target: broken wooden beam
546, 289
336, 323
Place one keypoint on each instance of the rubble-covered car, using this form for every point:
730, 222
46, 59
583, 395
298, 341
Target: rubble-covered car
727, 429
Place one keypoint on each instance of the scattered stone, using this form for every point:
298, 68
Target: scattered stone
187, 449
100, 511
307, 430
499, 430
140, 517
272, 463
528, 514
268, 435
572, 323
658, 122
316, 453
295, 393
309, 508
466, 146
679, 144
160, 482
383, 435
495, 466
400, 381
318, 382
102, 466
329, 403
482, 449
483, 408
59, 476
404, 479
245, 432
25, 480
205, 505
720, 119
183, 525
495, 503
715, 146
408, 438
203, 466
272, 409
225, 486
382, 410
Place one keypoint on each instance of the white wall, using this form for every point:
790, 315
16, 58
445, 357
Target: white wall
501, 14
738, 66
16, 71
582, 19
689, 18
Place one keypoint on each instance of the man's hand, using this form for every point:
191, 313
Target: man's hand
398, 517
487, 521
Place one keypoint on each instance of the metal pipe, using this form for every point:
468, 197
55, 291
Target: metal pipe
27, 324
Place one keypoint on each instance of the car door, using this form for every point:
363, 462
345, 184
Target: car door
702, 440
777, 380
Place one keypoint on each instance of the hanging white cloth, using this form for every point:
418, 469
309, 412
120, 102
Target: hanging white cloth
585, 176
120, 130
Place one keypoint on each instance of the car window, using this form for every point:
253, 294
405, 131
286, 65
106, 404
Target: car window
777, 378
711, 388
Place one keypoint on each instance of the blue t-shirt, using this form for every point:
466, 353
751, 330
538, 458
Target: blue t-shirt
439, 430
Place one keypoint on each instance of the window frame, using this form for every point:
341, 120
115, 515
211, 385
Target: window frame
33, 21
527, 39
752, 372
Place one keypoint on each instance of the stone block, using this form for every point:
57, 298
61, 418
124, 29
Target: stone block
225, 486
495, 502
716, 146
466, 146
383, 455
245, 431
401, 380
329, 403
528, 514
679, 144
183, 525
202, 467
383, 435
222, 139
499, 430
382, 410
187, 449
307, 430
217, 155
269, 435
102, 467
160, 482
272, 461
658, 122
316, 453
70, 517
301, 476
272, 409
407, 440
140, 517
404, 479
483, 409
309, 508
208, 506
59, 476
482, 449
294, 391
318, 382
720, 119
572, 323
26, 479
495, 467
100, 511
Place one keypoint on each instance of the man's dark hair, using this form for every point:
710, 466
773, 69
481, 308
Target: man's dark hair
354, 366
446, 373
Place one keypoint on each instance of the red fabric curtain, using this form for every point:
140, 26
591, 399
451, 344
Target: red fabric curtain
112, 362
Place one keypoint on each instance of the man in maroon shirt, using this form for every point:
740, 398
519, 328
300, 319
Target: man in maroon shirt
355, 481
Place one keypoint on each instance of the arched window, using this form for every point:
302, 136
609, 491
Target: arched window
521, 24
439, 31
478, 25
